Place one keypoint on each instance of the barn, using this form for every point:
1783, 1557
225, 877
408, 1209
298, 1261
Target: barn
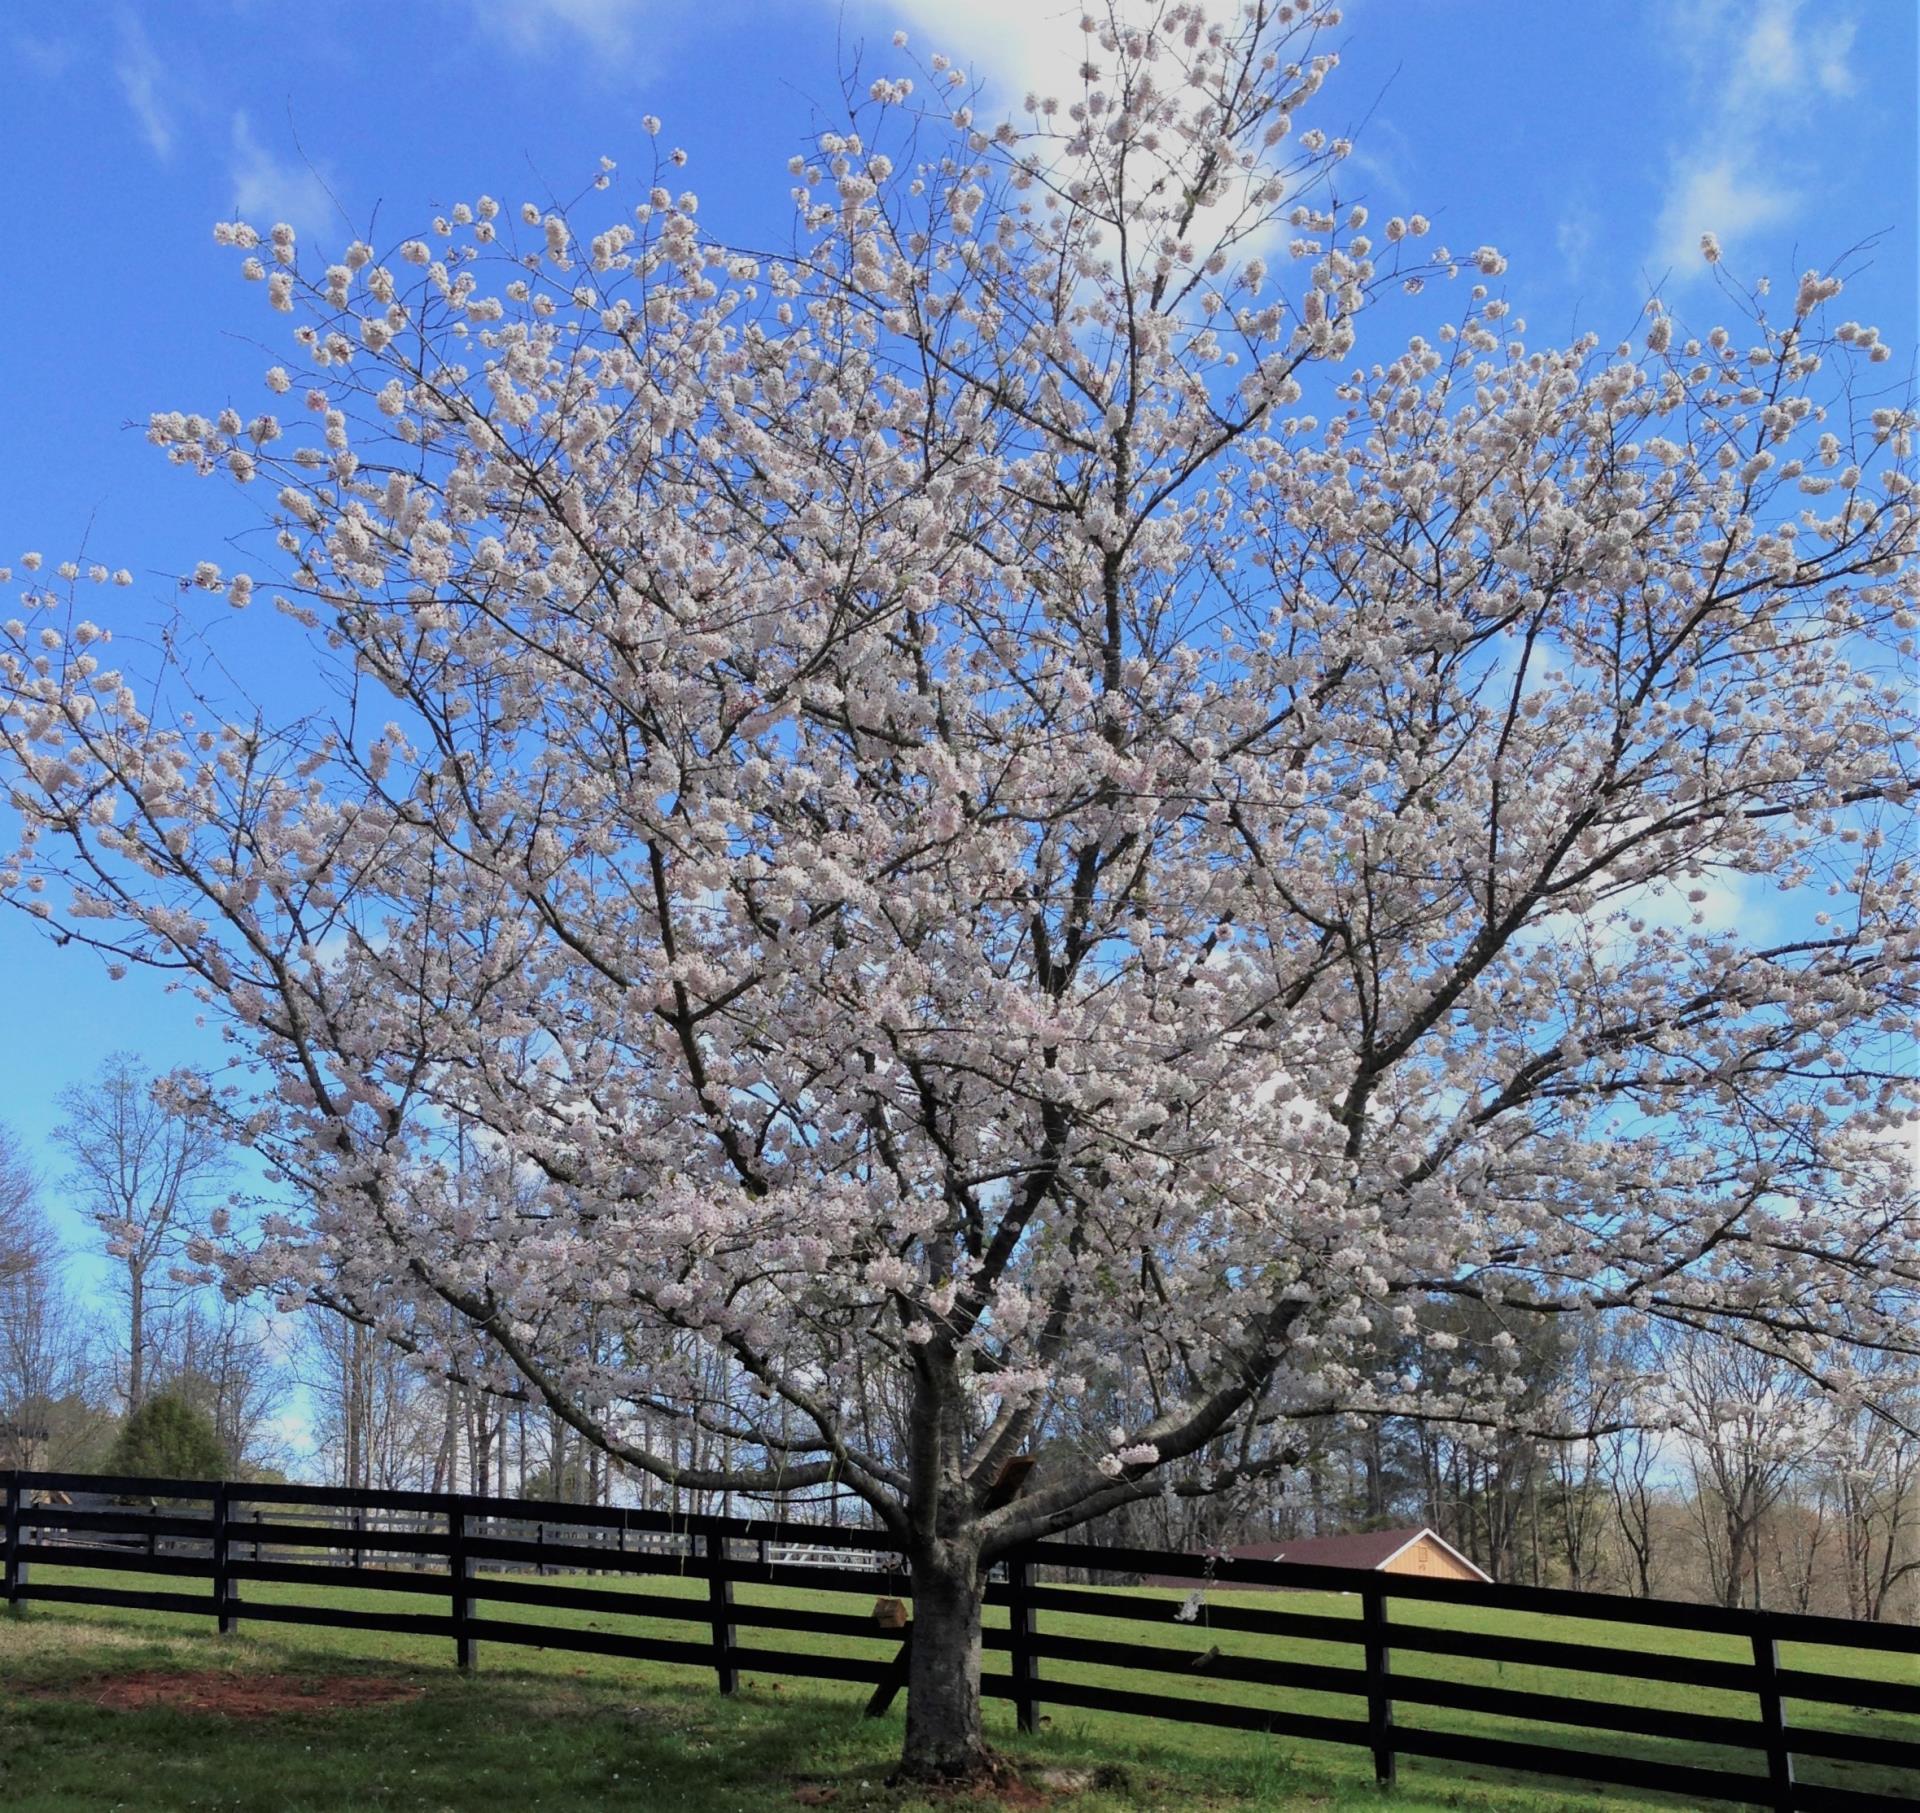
1415, 1551
1410, 1551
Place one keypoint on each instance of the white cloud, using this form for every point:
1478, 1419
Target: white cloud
1016, 46
143, 82
1759, 69
1831, 68
1016, 49
1744, 53
1767, 57
293, 1429
608, 26
1574, 237
1387, 158
1728, 901
1726, 197
267, 189
1776, 58
48, 58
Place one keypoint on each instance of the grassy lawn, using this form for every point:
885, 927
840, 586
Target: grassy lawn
367, 1719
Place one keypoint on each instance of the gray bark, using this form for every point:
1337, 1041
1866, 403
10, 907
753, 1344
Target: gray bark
944, 1737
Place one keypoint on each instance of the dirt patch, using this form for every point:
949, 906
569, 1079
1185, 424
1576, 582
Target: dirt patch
260, 1696
1005, 1784
1014, 1795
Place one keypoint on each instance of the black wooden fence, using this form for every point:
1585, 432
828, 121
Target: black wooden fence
466, 1551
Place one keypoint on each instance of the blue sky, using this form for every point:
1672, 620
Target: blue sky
1591, 141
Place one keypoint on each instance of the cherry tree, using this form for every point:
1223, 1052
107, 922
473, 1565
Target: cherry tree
987, 819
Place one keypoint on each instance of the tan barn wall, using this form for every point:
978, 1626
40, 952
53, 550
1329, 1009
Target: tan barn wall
1427, 1558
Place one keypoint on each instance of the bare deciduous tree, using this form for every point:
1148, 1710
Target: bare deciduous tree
1744, 1423
41, 1355
143, 1175
221, 1356
1872, 1467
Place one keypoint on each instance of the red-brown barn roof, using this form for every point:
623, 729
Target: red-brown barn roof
1353, 1548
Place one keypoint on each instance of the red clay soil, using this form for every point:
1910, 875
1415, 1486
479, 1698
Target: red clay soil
234, 1696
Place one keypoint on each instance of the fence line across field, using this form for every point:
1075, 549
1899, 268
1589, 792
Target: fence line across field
468, 1549
131, 1530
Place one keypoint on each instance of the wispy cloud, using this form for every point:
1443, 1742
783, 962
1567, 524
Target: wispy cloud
610, 27
267, 188
48, 58
1760, 69
143, 83
1574, 235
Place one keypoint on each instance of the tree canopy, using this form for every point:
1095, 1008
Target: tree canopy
1038, 799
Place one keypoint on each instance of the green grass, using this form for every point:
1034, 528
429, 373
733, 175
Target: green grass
549, 1728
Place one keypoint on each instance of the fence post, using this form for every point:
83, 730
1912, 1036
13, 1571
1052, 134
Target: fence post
1773, 1714
1020, 1624
1373, 1617
225, 1599
16, 1572
719, 1607
460, 1586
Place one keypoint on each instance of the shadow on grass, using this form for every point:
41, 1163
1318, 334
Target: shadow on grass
198, 1733
505, 1740
96, 1716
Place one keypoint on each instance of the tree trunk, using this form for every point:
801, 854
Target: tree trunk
136, 1339
944, 1737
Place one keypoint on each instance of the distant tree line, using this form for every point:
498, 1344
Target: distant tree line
1677, 1464
86, 1348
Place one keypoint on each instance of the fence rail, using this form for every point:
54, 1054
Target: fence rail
471, 1550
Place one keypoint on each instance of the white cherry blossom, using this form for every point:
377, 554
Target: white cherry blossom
1020, 803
